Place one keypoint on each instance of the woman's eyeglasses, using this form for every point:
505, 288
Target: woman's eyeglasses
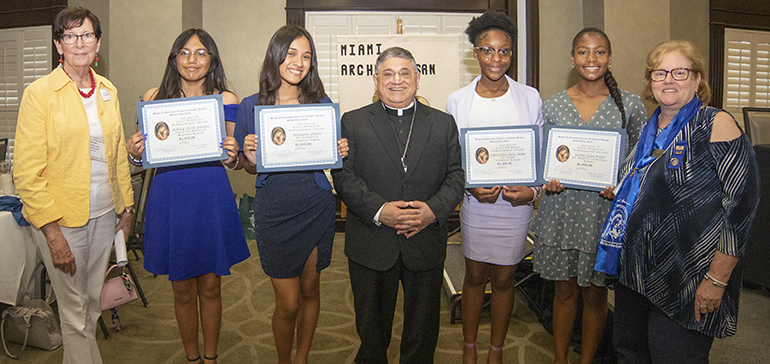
70, 39
488, 52
678, 74
198, 54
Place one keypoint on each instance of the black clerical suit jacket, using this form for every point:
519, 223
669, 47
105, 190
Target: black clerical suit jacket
372, 174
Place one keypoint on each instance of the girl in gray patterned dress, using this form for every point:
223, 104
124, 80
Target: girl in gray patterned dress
569, 221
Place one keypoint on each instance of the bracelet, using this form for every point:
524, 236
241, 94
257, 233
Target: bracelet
236, 164
129, 210
714, 281
133, 161
536, 192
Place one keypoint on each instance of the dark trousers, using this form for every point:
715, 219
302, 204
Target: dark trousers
644, 334
374, 301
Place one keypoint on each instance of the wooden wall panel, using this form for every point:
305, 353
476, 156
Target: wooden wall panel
28, 13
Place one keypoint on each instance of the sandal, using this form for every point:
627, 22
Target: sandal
495, 352
211, 359
473, 347
196, 360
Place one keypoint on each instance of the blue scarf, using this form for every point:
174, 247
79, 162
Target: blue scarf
13, 204
614, 230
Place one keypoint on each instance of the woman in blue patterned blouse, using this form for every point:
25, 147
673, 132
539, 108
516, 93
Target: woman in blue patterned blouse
680, 219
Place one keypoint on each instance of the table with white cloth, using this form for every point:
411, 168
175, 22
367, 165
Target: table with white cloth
18, 259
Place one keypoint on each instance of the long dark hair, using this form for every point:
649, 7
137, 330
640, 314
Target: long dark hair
609, 80
311, 89
171, 85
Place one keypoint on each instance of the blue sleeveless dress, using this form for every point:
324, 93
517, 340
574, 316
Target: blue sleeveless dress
192, 225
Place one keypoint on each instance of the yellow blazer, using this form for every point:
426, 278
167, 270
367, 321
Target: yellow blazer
52, 164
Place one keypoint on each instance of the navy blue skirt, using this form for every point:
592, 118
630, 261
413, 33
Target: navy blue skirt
293, 216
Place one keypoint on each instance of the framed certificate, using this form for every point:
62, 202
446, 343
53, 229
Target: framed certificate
495, 156
297, 137
182, 131
583, 158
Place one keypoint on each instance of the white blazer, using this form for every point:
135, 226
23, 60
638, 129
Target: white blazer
527, 100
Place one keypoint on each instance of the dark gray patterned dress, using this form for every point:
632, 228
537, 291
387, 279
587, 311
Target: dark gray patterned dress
568, 224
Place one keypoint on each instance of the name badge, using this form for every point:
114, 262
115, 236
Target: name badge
105, 94
97, 149
677, 155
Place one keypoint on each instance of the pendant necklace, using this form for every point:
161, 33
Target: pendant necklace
408, 137
586, 95
490, 92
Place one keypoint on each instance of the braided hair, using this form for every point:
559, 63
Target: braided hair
491, 19
609, 80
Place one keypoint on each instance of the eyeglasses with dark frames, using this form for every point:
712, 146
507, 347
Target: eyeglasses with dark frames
678, 74
70, 39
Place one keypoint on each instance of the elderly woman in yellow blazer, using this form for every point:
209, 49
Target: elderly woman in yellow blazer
71, 172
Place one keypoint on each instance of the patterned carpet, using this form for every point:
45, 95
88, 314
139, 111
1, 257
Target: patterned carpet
150, 335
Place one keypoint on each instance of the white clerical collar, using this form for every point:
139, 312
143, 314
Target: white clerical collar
399, 112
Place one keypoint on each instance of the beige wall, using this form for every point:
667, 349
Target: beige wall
242, 30
693, 25
560, 20
634, 27
141, 34
192, 14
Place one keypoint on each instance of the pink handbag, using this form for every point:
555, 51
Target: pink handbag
118, 290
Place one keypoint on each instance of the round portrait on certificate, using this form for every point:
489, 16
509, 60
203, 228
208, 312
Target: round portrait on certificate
161, 130
278, 135
562, 153
482, 155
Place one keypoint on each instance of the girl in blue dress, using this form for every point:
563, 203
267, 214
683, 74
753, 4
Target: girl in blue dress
192, 229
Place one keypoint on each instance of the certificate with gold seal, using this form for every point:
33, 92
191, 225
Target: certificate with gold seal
297, 137
582, 157
500, 156
182, 131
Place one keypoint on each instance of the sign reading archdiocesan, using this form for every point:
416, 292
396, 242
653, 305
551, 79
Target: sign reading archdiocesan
436, 57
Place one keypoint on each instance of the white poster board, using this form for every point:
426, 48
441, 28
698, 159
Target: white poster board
436, 57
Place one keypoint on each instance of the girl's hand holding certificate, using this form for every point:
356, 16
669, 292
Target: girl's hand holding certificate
484, 194
250, 148
230, 145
